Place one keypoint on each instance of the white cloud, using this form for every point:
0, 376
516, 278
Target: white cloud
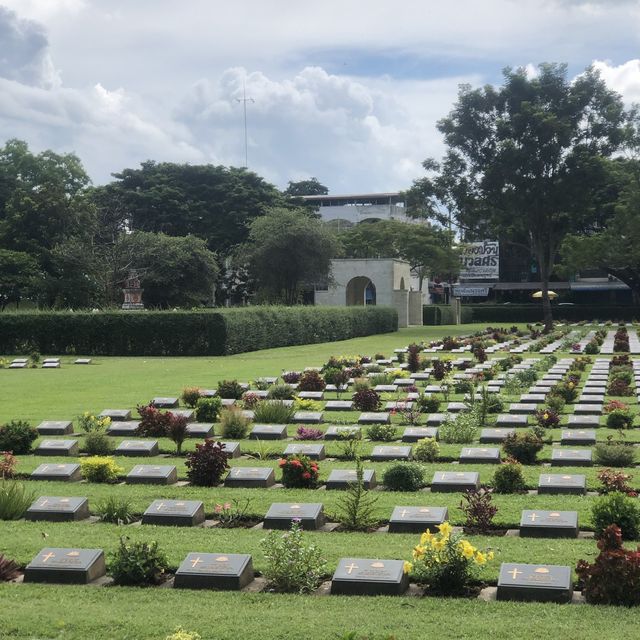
623, 78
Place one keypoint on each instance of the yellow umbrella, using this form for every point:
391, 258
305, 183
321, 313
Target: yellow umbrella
538, 294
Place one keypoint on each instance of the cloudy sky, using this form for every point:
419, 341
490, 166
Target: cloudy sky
348, 91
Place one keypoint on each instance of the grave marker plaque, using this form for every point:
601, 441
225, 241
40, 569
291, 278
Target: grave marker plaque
480, 455
250, 477
556, 483
58, 509
61, 472
57, 448
311, 395
120, 428
338, 405
232, 448
457, 407
116, 414
312, 451
268, 432
549, 524
282, 514
200, 430
512, 420
454, 481
183, 413
55, 428
579, 437
177, 513
492, 436
435, 419
152, 474
525, 408
338, 433
66, 566
583, 421
417, 519
374, 417
308, 417
534, 583
165, 403
138, 448
227, 571
571, 457
366, 576
588, 409
413, 434
342, 478
382, 453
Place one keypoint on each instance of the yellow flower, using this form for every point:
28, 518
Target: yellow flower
408, 567
438, 543
480, 558
418, 552
445, 529
545, 416
490, 555
466, 549
426, 537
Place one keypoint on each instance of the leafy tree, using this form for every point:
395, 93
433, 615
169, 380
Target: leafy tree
286, 249
42, 201
524, 160
19, 276
214, 203
175, 272
310, 187
428, 249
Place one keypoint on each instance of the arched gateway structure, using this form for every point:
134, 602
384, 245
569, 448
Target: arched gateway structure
369, 282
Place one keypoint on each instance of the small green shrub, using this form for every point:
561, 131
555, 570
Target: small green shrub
426, 450
97, 443
17, 436
403, 476
116, 510
619, 509
190, 396
273, 412
181, 634
208, 409
230, 389
428, 403
234, 424
355, 507
555, 402
89, 423
620, 419
461, 429
138, 563
613, 454
15, 499
281, 392
382, 432
508, 478
293, 564
305, 404
523, 447
100, 469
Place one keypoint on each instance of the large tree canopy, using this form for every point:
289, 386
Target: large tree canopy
287, 249
524, 160
215, 203
310, 187
426, 248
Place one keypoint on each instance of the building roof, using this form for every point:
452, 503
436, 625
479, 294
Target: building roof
393, 197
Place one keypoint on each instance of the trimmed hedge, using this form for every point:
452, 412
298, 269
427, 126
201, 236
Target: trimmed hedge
442, 314
187, 333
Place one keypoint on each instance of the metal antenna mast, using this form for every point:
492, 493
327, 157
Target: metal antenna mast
244, 101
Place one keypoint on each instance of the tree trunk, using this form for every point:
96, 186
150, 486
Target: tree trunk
545, 271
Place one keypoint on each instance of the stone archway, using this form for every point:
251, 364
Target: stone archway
360, 291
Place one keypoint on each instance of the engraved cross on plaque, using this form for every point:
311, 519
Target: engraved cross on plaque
195, 561
48, 556
351, 567
514, 573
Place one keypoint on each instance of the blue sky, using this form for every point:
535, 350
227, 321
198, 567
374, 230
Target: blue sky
348, 91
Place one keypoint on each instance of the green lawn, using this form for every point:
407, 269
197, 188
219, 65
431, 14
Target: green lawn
31, 611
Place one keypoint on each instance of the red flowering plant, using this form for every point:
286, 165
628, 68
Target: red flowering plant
613, 480
8, 464
612, 405
299, 472
614, 577
250, 400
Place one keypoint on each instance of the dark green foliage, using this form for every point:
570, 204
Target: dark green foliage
97, 443
614, 454
15, 499
355, 509
523, 447
230, 389
17, 436
508, 478
208, 409
382, 432
403, 476
619, 509
207, 463
137, 563
189, 333
281, 392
